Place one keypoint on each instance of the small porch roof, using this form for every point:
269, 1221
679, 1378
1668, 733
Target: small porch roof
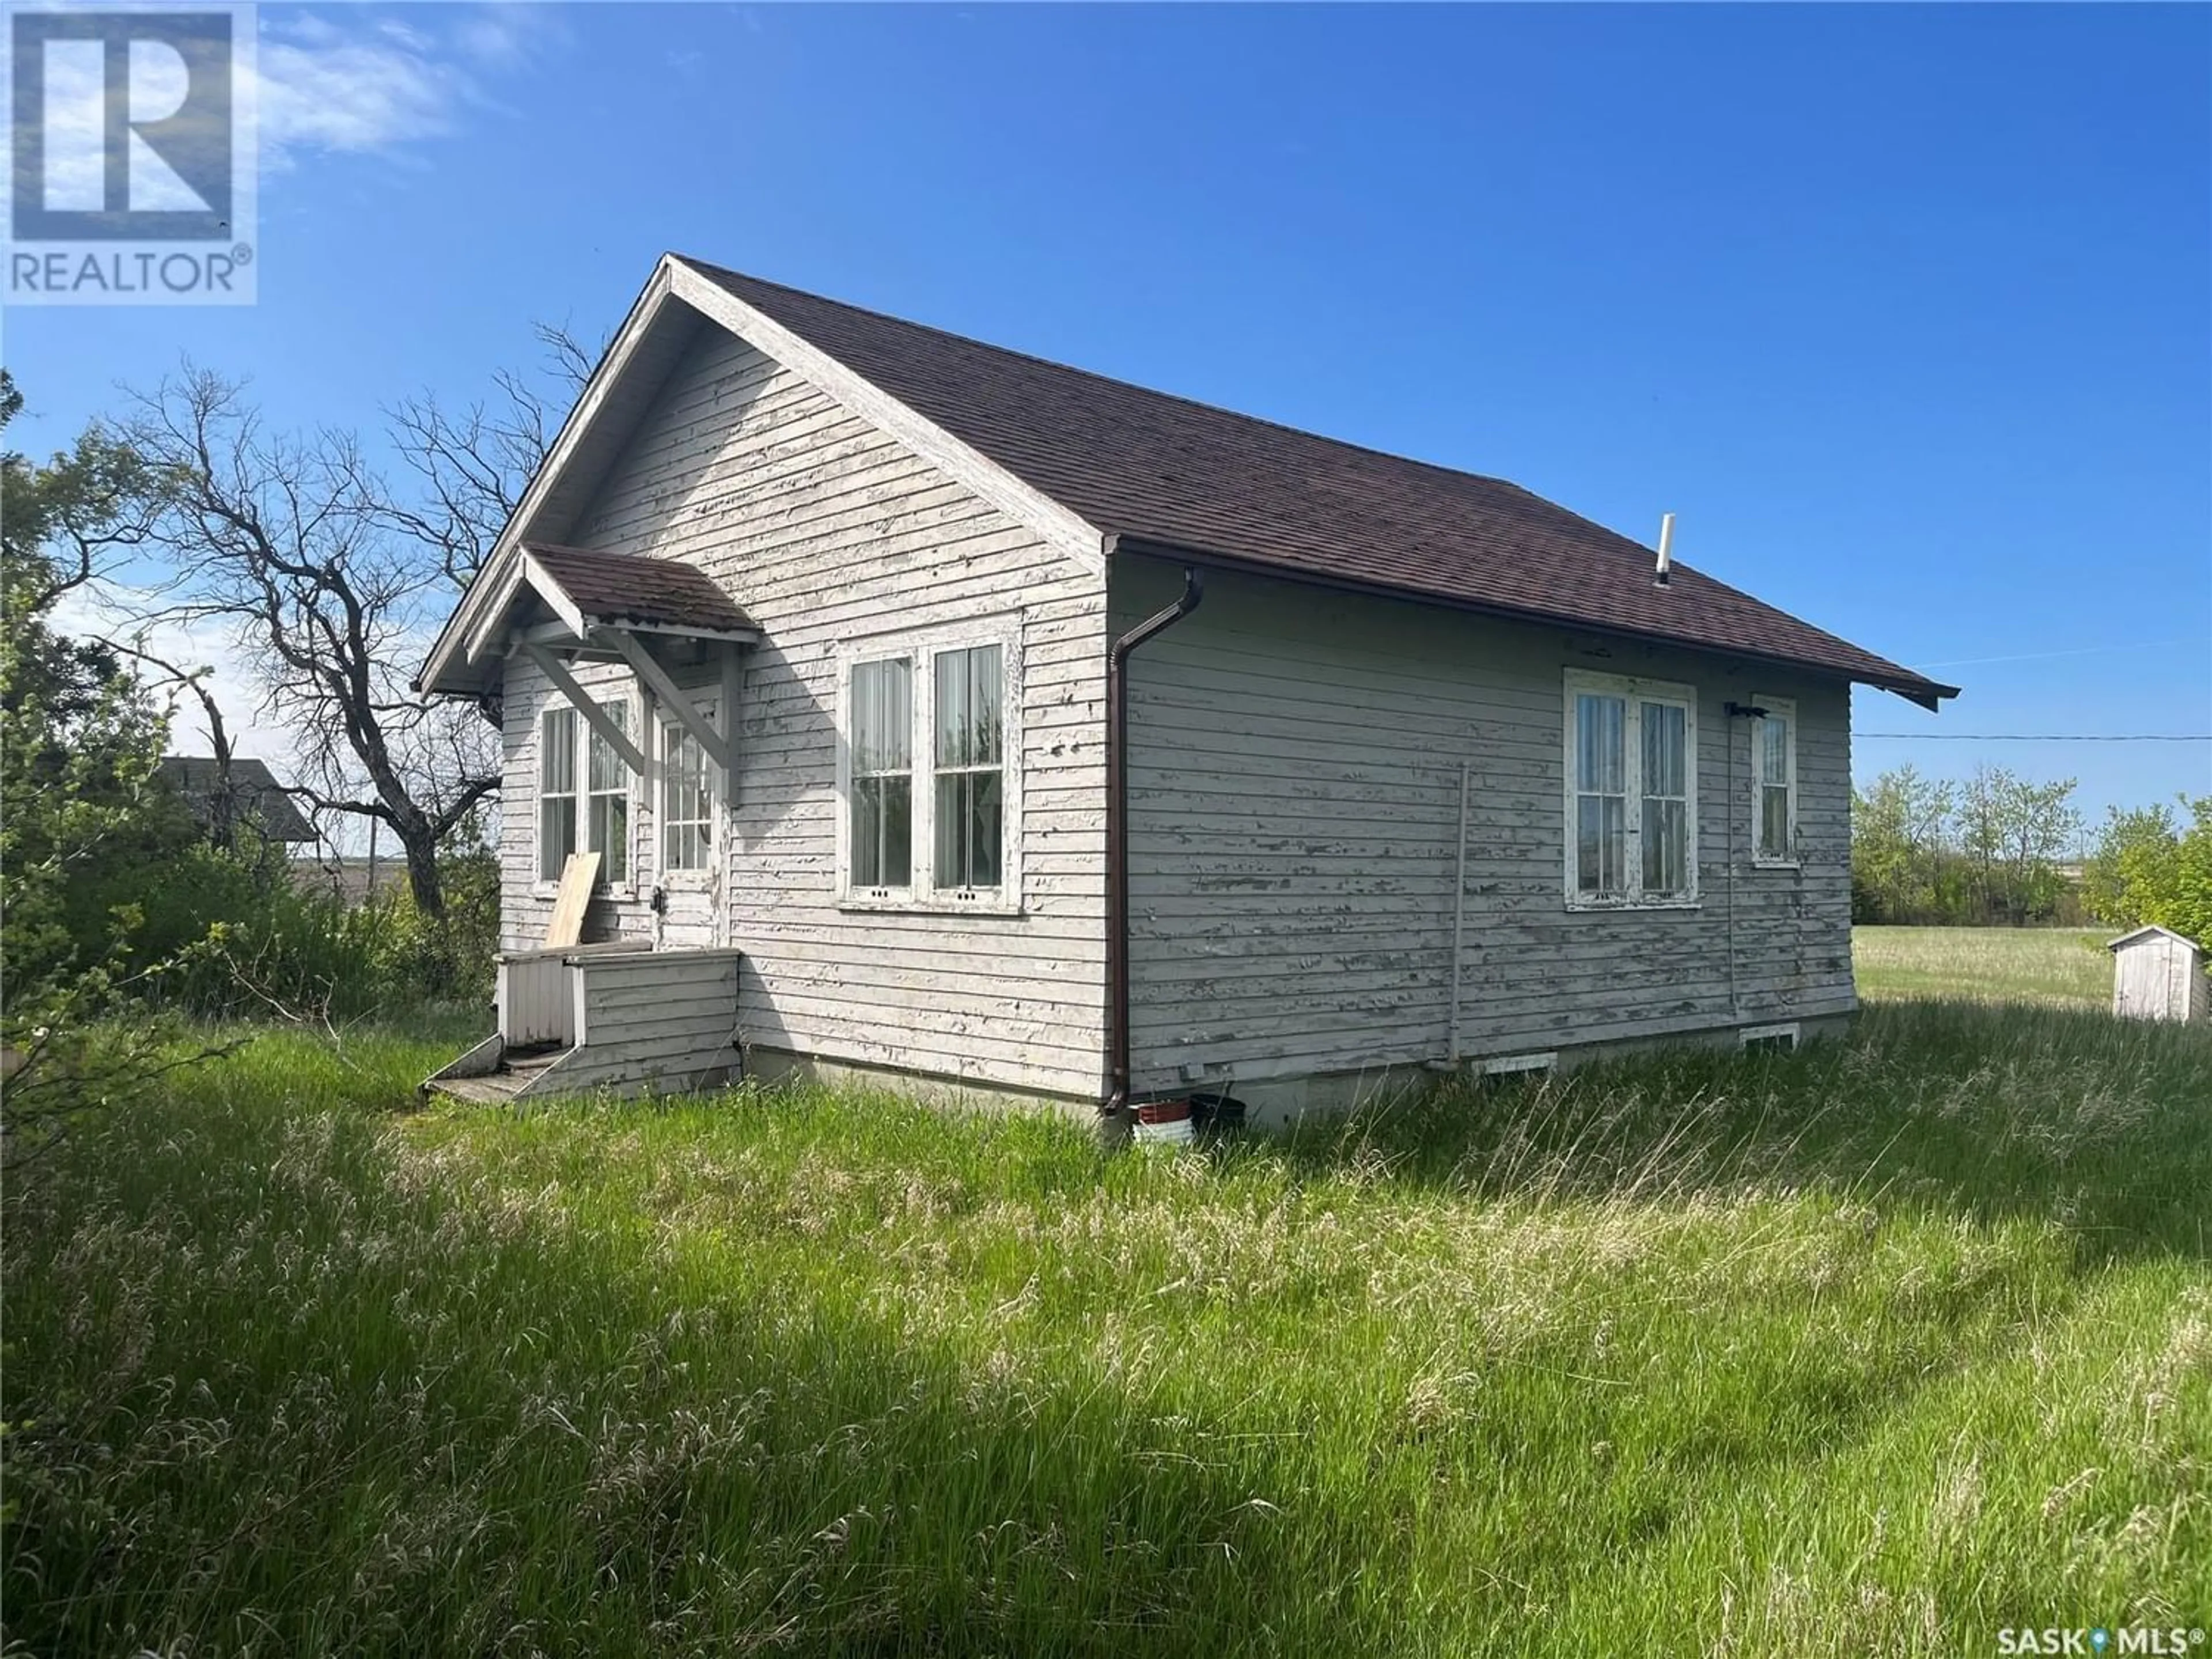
568, 594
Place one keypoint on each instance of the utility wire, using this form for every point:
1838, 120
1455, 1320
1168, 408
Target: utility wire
2044, 736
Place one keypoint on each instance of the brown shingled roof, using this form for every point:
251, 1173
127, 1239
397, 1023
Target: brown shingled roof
627, 587
1187, 477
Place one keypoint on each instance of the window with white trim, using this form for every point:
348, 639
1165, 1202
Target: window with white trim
879, 706
928, 811
583, 793
687, 800
556, 791
1774, 781
968, 759
606, 812
1631, 803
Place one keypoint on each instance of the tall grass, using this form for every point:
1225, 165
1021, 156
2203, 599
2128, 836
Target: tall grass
1873, 1348
2060, 967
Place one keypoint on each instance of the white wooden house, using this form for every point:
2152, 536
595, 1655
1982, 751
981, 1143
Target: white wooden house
951, 716
2157, 974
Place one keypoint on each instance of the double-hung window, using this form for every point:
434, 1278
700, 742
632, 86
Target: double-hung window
583, 793
606, 815
927, 815
556, 791
687, 800
1631, 806
879, 710
969, 764
1774, 781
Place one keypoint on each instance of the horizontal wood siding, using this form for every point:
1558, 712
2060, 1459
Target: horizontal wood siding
1294, 812
824, 530
653, 1022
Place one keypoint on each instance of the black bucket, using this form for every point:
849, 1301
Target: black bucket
1216, 1117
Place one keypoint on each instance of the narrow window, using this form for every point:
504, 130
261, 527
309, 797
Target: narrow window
968, 766
1666, 780
556, 791
607, 812
1601, 796
882, 773
687, 798
1774, 780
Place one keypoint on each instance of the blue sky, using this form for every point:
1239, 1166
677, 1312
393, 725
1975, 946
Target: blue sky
1906, 312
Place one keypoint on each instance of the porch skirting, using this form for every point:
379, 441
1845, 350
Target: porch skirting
610, 1017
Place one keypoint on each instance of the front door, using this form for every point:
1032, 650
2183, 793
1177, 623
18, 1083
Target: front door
692, 858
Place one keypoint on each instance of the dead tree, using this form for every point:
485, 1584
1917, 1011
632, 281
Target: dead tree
335, 582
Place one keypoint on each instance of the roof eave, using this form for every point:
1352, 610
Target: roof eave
1928, 693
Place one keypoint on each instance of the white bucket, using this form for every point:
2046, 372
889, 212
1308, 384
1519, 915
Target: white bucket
1175, 1133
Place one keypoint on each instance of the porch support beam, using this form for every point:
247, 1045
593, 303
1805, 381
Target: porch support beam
732, 682
594, 716
673, 696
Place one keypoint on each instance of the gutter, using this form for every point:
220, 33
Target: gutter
1117, 832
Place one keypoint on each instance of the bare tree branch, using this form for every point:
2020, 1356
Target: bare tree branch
334, 583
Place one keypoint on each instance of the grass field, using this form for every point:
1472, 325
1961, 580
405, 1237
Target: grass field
2057, 967
1879, 1347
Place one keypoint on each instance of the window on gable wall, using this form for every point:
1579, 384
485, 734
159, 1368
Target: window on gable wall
1632, 801
1774, 780
928, 813
880, 710
970, 761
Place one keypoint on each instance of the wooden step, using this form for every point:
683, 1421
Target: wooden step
495, 1089
516, 1072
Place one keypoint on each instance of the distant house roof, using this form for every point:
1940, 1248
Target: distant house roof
256, 796
1161, 473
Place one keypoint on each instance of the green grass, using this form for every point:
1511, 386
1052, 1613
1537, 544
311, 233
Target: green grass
2055, 967
1878, 1348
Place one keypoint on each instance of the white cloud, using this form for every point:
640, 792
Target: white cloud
371, 83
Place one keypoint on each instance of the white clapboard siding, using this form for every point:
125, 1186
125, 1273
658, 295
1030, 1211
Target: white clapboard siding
652, 1022
825, 529
1294, 818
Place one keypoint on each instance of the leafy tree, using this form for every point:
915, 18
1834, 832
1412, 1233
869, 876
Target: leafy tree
1987, 850
2148, 868
85, 829
1898, 833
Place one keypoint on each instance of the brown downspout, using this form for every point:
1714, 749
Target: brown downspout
1117, 835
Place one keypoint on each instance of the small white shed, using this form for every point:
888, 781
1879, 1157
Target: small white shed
2159, 975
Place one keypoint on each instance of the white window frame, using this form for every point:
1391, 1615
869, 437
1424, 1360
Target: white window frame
626, 698
552, 706
669, 734
1634, 692
922, 647
1787, 708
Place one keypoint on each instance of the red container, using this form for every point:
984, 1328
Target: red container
1163, 1111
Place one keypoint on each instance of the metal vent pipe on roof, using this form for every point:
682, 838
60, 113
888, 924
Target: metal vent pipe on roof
1666, 550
